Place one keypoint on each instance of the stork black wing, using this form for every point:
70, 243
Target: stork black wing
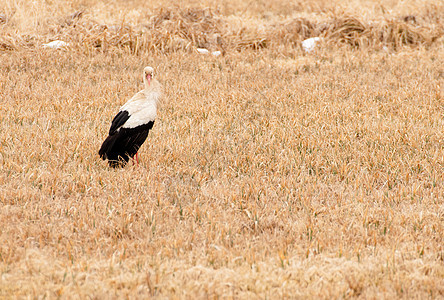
118, 121
125, 143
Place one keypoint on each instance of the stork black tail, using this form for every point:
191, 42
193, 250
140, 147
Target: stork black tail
107, 146
107, 151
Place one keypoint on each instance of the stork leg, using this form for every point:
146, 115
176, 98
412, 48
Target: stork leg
137, 158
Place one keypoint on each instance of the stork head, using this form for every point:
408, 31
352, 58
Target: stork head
148, 74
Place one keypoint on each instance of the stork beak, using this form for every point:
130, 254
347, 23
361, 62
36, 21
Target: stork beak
148, 78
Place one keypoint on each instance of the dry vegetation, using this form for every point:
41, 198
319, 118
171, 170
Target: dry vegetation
270, 173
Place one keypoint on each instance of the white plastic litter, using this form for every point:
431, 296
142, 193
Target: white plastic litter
202, 51
205, 51
309, 44
55, 44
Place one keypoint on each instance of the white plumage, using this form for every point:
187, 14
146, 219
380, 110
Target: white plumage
141, 109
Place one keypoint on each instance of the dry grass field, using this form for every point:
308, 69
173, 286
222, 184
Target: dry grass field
270, 172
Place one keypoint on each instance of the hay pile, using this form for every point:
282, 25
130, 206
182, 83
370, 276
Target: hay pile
349, 30
176, 29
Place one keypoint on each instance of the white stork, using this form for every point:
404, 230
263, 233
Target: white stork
129, 128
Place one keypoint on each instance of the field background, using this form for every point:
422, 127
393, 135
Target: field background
269, 173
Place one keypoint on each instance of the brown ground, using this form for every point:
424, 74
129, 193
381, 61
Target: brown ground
269, 173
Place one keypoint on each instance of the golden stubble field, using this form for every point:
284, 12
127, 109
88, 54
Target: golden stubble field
269, 173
